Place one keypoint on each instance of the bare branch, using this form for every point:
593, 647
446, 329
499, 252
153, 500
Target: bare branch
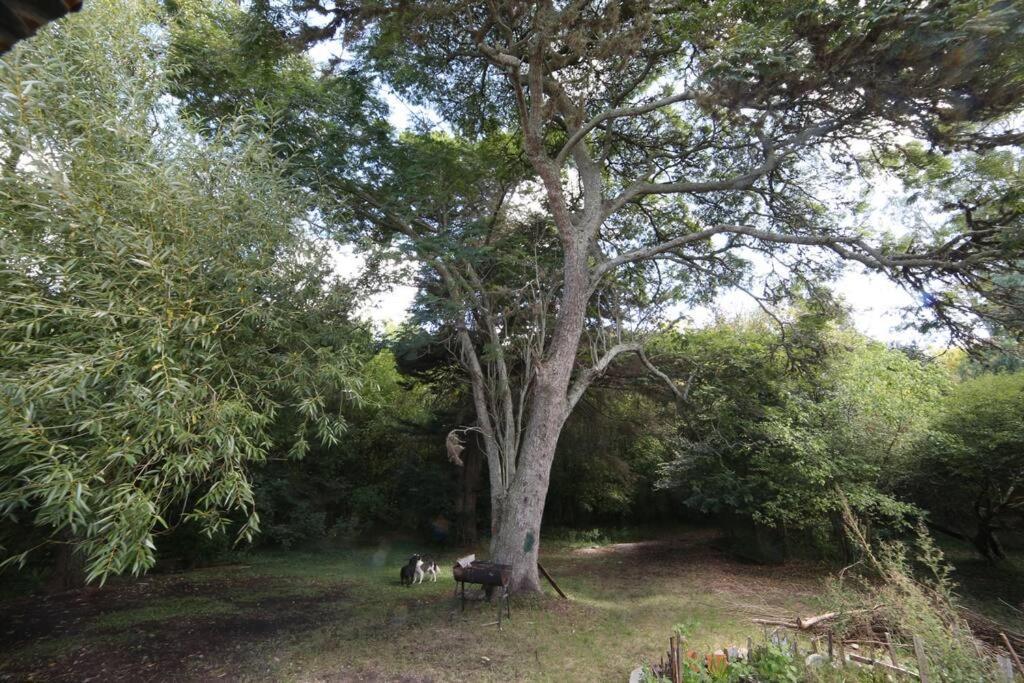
847, 247
681, 394
652, 251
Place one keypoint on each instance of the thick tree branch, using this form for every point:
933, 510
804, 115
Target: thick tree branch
847, 247
774, 155
681, 394
587, 377
611, 114
483, 415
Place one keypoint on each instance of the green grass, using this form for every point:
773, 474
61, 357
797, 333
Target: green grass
624, 603
341, 615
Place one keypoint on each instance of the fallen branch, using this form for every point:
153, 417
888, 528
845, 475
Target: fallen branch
991, 632
809, 622
777, 622
861, 659
1013, 653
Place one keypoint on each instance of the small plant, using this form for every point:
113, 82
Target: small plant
772, 663
648, 676
767, 664
685, 629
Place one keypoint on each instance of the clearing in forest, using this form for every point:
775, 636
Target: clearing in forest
342, 616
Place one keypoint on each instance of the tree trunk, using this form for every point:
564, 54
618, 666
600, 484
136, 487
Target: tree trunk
517, 541
469, 490
986, 542
68, 566
517, 538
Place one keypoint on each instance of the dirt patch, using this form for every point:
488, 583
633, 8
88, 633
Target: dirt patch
219, 627
363, 676
698, 558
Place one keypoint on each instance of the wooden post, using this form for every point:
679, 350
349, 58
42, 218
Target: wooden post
1013, 653
679, 659
892, 650
551, 581
1005, 669
830, 646
674, 659
922, 660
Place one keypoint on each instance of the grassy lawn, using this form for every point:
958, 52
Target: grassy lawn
341, 615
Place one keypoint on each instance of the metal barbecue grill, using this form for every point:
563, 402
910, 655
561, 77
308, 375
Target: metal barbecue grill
490, 575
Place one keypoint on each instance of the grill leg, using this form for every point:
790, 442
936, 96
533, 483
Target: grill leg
463, 596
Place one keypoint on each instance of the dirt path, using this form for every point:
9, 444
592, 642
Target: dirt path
697, 558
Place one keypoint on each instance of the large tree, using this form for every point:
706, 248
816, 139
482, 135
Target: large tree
669, 141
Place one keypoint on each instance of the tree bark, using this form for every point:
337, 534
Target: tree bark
469, 490
69, 565
516, 539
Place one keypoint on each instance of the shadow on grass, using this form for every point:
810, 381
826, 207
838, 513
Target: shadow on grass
341, 615
995, 590
181, 627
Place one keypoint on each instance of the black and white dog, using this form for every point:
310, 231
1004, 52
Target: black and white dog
429, 567
416, 568
412, 570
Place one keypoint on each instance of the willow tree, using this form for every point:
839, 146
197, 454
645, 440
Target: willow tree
688, 135
163, 313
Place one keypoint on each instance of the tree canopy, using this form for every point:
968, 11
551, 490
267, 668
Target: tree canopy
164, 306
172, 177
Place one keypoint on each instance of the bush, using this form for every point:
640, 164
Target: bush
906, 603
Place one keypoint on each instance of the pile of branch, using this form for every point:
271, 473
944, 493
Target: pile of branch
992, 633
820, 623
986, 631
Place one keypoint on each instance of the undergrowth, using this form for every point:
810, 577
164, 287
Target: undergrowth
907, 591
